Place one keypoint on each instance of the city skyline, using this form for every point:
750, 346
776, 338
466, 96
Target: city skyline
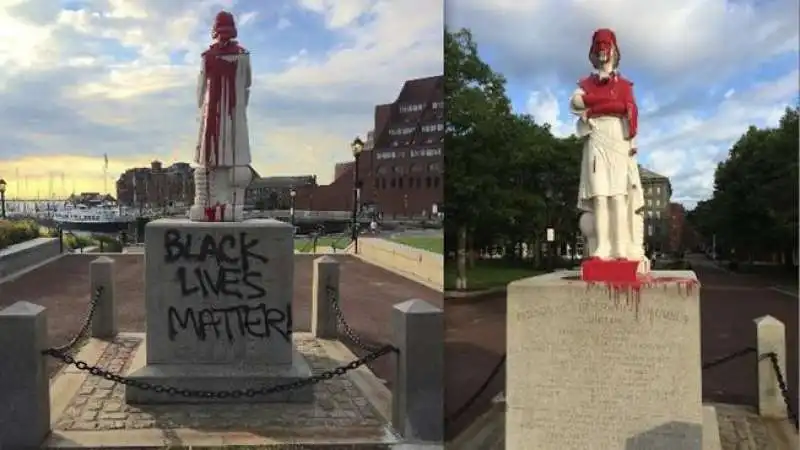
118, 78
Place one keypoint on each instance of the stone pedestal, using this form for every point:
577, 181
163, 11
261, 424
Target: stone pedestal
596, 367
219, 310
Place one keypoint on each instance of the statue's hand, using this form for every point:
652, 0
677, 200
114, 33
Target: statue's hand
633, 152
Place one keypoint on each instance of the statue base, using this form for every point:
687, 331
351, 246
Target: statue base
614, 271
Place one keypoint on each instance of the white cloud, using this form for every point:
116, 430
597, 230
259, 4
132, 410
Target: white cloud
283, 23
545, 107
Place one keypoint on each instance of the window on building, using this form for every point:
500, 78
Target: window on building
419, 182
436, 182
416, 168
658, 190
658, 214
382, 170
649, 202
400, 183
658, 201
428, 182
393, 183
434, 167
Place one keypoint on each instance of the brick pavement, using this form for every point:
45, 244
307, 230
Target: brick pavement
338, 405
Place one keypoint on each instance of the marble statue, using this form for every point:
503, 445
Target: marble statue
610, 192
223, 149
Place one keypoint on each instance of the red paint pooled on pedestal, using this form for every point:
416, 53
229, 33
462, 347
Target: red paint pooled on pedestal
621, 275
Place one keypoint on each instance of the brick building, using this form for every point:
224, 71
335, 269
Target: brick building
657, 193
156, 186
402, 165
677, 219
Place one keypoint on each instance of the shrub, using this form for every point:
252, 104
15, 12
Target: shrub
72, 241
16, 231
108, 244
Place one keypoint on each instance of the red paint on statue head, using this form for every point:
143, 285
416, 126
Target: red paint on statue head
604, 44
224, 27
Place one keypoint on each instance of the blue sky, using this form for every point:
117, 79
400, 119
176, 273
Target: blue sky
87, 77
703, 71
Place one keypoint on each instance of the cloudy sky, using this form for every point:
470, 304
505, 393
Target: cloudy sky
704, 70
82, 78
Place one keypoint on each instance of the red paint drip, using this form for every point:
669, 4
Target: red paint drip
617, 278
211, 214
220, 75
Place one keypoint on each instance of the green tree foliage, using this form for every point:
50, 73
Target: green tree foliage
508, 178
754, 206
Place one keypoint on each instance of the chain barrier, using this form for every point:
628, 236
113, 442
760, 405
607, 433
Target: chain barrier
344, 327
235, 393
62, 353
84, 330
468, 404
773, 357
730, 357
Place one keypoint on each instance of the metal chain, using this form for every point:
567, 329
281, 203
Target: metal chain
87, 322
344, 327
236, 393
739, 353
773, 357
468, 404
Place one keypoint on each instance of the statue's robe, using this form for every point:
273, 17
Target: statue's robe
222, 95
607, 166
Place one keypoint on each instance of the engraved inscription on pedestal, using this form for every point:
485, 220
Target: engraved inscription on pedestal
586, 370
219, 292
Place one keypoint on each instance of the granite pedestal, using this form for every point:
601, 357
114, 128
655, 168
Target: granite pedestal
594, 366
219, 310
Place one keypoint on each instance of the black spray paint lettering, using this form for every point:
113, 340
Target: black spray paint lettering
243, 321
234, 276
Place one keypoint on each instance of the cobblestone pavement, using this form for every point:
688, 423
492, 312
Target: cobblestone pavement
740, 428
339, 405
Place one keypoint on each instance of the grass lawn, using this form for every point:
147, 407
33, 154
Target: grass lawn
489, 274
306, 245
433, 244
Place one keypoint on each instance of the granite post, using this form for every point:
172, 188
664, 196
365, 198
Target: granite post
24, 383
101, 275
418, 395
218, 300
771, 338
323, 318
592, 365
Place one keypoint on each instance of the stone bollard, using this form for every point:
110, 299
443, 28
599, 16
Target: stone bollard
101, 274
770, 337
323, 318
24, 382
418, 397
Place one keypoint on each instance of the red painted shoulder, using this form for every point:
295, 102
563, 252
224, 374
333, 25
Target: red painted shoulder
625, 80
586, 82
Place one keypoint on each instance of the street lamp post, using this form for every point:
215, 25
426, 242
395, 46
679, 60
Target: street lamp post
3, 197
292, 195
357, 146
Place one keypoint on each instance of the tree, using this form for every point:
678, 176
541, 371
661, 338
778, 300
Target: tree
753, 209
476, 115
508, 178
